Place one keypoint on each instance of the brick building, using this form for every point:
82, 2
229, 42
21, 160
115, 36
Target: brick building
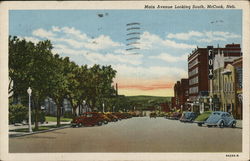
181, 94
198, 73
173, 103
238, 87
165, 107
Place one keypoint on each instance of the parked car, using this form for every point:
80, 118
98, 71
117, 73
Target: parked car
200, 120
152, 115
88, 119
168, 114
221, 119
106, 119
134, 114
188, 117
127, 115
112, 117
119, 115
175, 115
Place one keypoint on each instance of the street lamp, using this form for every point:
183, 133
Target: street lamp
29, 91
210, 100
103, 107
84, 105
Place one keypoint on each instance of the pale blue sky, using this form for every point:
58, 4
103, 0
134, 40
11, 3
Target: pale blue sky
167, 37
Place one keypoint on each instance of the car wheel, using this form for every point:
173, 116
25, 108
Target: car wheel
79, 125
209, 126
233, 125
221, 125
99, 123
199, 124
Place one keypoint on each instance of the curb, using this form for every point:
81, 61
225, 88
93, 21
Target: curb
52, 129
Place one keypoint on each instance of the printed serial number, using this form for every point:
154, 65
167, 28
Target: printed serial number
232, 155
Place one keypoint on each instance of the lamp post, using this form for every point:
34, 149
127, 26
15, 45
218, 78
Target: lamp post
103, 107
84, 105
210, 100
29, 91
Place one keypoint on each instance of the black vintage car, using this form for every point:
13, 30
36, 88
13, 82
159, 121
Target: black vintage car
152, 115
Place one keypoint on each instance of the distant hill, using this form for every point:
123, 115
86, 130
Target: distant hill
144, 97
143, 102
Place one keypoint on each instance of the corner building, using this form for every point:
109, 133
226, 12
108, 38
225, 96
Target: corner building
197, 75
198, 70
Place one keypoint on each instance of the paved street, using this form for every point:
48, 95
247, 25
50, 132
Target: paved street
133, 135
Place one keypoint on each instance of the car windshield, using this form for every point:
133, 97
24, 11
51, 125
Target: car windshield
188, 114
216, 113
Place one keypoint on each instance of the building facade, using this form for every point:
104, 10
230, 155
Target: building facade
238, 87
51, 108
221, 65
228, 95
173, 103
204, 73
198, 76
181, 94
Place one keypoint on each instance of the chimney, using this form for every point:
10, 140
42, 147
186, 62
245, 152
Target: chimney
116, 87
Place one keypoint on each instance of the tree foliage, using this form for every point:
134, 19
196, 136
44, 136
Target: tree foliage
49, 75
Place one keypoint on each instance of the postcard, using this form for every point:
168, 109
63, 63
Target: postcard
124, 80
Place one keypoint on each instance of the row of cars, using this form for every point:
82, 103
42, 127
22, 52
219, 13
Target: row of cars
208, 118
98, 118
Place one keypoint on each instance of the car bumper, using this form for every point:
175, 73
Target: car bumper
210, 124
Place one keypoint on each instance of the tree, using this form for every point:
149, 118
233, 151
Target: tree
29, 67
58, 86
40, 74
34, 65
20, 65
71, 71
101, 87
78, 81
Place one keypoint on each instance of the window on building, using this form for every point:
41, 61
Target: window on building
225, 86
193, 72
193, 63
193, 81
193, 90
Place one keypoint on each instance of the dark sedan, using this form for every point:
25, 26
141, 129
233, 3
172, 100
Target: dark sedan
188, 117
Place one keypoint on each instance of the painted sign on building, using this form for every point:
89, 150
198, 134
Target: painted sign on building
210, 62
239, 77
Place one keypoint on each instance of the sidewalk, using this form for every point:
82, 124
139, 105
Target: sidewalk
13, 133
